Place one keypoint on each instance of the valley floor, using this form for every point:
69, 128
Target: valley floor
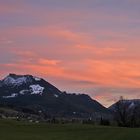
12, 130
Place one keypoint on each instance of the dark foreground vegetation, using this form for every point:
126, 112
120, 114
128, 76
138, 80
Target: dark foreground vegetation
127, 113
13, 130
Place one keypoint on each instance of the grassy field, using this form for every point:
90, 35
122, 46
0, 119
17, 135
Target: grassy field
12, 130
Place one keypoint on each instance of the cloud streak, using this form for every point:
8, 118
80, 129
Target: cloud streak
82, 46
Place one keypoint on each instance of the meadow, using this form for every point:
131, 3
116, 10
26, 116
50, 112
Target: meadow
13, 130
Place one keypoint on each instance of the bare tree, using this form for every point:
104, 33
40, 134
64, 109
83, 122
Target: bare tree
135, 117
121, 112
127, 113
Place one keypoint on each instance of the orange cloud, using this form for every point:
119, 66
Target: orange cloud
105, 73
48, 62
36, 69
99, 57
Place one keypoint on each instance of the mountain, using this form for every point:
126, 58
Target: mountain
126, 112
129, 104
29, 93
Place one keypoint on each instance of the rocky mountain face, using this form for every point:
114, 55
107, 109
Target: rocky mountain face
32, 94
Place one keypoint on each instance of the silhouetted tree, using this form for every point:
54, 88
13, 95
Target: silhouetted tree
104, 122
121, 112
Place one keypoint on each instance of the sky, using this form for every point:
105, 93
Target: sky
80, 46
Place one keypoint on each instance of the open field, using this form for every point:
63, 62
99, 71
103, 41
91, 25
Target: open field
12, 130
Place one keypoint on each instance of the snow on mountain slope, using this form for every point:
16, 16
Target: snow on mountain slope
14, 80
11, 96
130, 104
26, 85
37, 78
27, 91
36, 89
56, 95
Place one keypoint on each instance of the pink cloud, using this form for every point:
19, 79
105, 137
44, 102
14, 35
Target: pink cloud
48, 62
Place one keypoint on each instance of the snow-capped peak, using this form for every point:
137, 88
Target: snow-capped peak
26, 85
16, 80
11, 80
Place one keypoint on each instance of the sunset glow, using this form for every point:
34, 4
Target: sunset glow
81, 46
